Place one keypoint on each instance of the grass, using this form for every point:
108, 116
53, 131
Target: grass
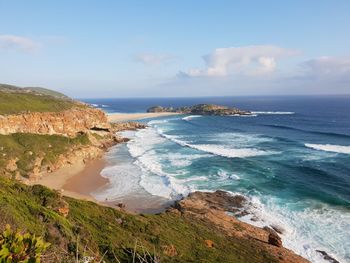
26, 147
96, 231
17, 102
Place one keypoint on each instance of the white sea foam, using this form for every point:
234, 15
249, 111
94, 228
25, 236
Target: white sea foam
154, 179
224, 151
220, 150
153, 122
240, 115
183, 160
143, 141
188, 118
93, 104
123, 180
273, 112
305, 230
226, 175
329, 148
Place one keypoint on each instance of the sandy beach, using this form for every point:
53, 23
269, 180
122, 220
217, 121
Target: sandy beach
120, 117
81, 179
77, 180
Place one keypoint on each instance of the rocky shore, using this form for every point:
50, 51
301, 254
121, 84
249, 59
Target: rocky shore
220, 210
201, 109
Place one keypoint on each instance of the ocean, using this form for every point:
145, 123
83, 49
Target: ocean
291, 159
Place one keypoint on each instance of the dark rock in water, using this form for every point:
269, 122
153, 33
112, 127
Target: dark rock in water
201, 109
327, 257
158, 109
275, 240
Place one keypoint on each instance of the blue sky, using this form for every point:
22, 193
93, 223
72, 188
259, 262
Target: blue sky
176, 48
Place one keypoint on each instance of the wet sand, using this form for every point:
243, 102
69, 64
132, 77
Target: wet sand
88, 179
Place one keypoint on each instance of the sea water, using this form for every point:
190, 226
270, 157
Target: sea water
290, 158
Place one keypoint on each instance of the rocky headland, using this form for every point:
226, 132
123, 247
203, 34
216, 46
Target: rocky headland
201, 109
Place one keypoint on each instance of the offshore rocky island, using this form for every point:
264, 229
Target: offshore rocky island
202, 109
42, 131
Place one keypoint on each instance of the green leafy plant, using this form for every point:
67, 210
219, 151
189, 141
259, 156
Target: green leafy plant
17, 247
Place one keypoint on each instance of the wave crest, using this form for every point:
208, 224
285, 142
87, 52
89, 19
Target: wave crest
273, 112
188, 118
329, 148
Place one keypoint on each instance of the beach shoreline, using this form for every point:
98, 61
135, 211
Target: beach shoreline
123, 117
81, 179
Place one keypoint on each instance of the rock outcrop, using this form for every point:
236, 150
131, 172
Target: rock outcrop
217, 209
67, 123
202, 109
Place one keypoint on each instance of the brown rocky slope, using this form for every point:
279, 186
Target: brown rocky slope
218, 208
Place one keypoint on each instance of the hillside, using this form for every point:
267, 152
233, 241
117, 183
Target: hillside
83, 228
14, 100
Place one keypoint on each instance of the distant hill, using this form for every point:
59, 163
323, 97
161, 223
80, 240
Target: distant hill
48, 92
14, 100
35, 90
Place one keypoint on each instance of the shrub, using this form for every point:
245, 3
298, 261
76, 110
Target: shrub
16, 247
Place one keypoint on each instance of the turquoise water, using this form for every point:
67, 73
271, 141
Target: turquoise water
291, 159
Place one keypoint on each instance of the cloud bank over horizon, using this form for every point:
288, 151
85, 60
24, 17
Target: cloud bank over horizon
247, 60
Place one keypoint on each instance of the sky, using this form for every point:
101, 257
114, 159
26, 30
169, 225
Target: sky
98, 49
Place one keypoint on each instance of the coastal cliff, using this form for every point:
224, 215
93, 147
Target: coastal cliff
67, 123
201, 109
43, 132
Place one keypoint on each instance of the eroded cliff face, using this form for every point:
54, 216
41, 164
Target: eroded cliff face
67, 123
31, 162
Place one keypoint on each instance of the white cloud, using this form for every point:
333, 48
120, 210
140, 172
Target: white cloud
249, 60
328, 66
18, 42
154, 59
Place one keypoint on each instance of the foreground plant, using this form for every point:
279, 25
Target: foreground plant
17, 247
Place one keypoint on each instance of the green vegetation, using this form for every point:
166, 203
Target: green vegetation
97, 231
26, 147
48, 92
16, 102
20, 248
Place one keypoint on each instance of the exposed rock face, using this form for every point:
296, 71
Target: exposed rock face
201, 109
12, 165
127, 126
215, 209
327, 257
67, 123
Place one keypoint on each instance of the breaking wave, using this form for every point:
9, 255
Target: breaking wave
220, 150
329, 148
273, 112
188, 118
